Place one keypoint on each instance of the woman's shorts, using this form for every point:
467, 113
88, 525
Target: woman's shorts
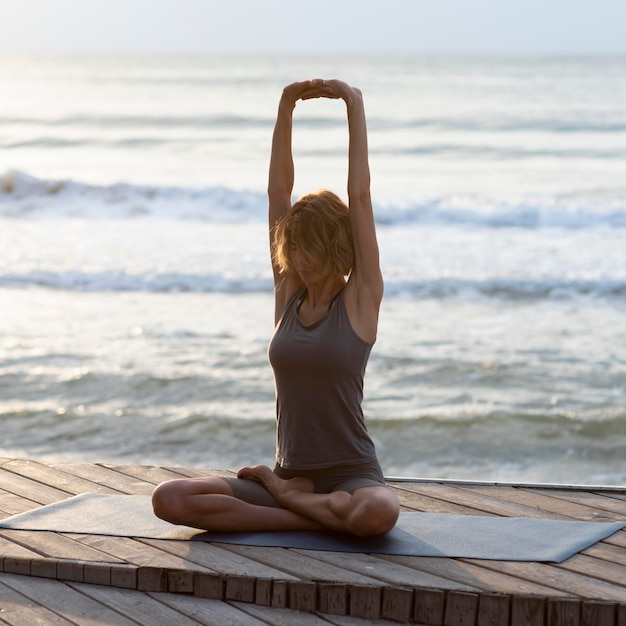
347, 478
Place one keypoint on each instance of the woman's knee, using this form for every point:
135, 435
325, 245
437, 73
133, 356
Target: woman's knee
173, 500
167, 500
376, 515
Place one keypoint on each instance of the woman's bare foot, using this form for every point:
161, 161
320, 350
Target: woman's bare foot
278, 487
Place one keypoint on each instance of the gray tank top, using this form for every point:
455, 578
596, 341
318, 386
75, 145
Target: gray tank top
318, 372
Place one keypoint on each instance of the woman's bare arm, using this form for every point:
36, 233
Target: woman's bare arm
281, 174
365, 287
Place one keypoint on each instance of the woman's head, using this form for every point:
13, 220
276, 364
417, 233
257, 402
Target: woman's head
318, 227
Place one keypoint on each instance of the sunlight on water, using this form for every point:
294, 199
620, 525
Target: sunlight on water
136, 293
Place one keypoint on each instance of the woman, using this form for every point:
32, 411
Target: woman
326, 474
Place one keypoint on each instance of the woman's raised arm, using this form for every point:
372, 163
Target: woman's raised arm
281, 172
365, 287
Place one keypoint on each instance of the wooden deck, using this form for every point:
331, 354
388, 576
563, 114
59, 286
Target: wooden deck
54, 578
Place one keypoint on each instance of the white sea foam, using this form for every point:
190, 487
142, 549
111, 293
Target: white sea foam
26, 196
172, 282
74, 236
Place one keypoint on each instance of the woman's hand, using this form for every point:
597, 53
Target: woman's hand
343, 90
307, 90
320, 88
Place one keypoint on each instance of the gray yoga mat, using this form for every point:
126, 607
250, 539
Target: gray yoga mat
416, 534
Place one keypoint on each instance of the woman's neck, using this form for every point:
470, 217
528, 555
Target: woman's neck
321, 294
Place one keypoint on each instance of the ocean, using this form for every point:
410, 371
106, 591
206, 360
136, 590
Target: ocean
135, 287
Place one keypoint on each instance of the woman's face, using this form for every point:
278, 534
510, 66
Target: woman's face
308, 272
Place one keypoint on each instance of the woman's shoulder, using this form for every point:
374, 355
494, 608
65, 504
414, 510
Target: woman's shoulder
285, 295
362, 310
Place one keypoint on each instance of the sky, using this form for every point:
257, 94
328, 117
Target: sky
304, 26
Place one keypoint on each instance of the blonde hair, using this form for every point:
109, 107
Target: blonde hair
318, 224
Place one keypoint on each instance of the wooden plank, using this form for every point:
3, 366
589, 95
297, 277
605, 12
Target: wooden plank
605, 501
135, 605
528, 611
461, 609
154, 475
31, 489
263, 591
55, 545
280, 594
542, 502
11, 504
595, 568
333, 598
429, 606
63, 479
210, 612
44, 568
563, 612
153, 565
347, 620
125, 549
299, 565
181, 581
365, 601
381, 569
617, 539
151, 474
198, 472
209, 585
110, 478
493, 610
598, 614
124, 576
302, 596
16, 565
66, 602
97, 573
565, 582
607, 552
243, 589
472, 575
240, 588
616, 490
9, 549
397, 604
18, 610
69, 570
492, 501
216, 558
617, 493
289, 617
412, 499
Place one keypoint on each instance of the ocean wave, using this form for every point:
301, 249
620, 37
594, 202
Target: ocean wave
508, 288
439, 288
142, 121
513, 125
510, 152
119, 280
26, 196
601, 208
612, 423
479, 125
